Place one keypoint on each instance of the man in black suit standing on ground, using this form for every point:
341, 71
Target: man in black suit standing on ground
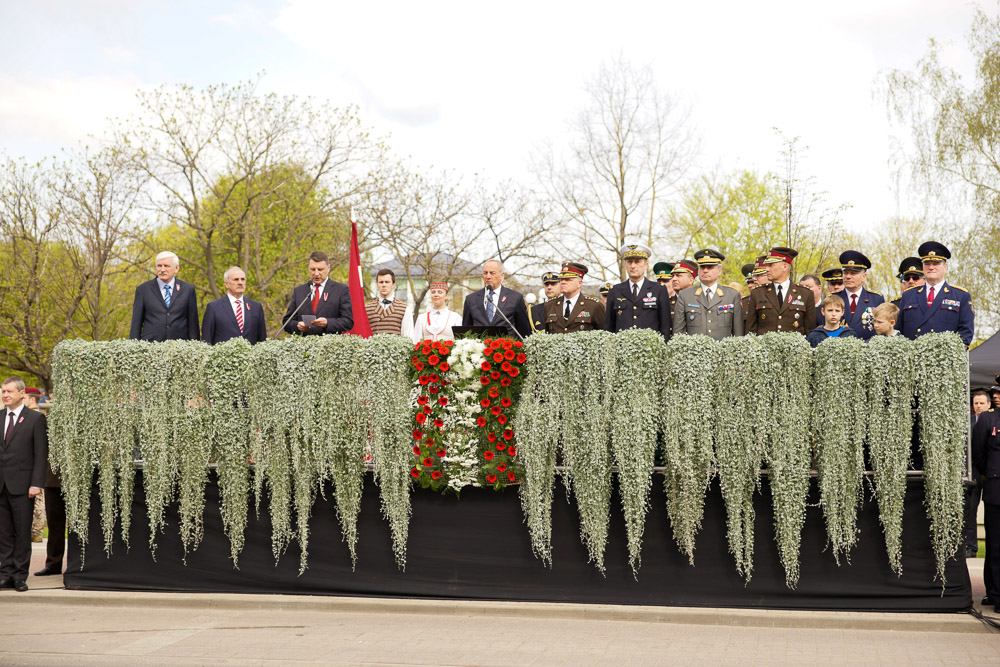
480, 309
23, 454
234, 315
165, 308
328, 308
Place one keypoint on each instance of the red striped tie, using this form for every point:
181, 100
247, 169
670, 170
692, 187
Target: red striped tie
239, 314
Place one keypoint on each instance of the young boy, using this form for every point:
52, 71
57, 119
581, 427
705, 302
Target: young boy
885, 316
833, 311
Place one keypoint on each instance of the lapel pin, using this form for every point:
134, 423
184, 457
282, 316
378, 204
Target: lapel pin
324, 296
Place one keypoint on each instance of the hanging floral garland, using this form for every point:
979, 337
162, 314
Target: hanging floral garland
385, 392
740, 439
888, 377
540, 431
226, 370
839, 421
634, 362
579, 399
942, 389
789, 450
691, 362
461, 431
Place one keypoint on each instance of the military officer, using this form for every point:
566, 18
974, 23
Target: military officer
550, 282
911, 274
834, 280
936, 306
859, 302
760, 272
661, 271
573, 311
604, 289
638, 303
709, 308
782, 305
681, 277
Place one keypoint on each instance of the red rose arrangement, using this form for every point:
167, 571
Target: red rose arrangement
500, 385
428, 368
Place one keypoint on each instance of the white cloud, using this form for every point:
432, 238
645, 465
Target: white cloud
50, 114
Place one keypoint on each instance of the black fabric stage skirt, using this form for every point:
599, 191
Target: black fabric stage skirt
477, 547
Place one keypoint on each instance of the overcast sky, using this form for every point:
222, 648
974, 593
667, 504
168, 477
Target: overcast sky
475, 87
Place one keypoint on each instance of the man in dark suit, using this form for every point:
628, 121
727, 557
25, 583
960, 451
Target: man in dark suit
24, 452
937, 306
327, 308
638, 303
480, 308
859, 302
165, 308
234, 315
986, 459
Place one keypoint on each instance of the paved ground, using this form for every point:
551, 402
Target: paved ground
52, 626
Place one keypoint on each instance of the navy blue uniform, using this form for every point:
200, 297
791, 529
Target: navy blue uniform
950, 311
986, 459
649, 310
863, 319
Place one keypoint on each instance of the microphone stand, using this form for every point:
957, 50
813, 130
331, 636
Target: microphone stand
294, 313
511, 324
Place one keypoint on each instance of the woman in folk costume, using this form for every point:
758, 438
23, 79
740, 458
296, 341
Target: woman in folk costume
436, 323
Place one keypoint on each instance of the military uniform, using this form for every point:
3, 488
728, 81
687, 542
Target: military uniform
949, 310
796, 312
587, 315
650, 309
986, 459
719, 316
863, 319
911, 266
536, 314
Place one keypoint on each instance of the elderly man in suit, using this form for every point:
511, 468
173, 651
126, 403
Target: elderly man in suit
495, 305
321, 306
638, 303
165, 308
23, 455
234, 315
709, 308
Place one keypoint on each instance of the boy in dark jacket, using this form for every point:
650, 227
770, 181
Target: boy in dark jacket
833, 312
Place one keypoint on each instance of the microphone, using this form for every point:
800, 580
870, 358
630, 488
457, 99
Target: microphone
294, 313
511, 324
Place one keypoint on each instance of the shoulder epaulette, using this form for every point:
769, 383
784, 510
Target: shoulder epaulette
875, 293
911, 287
960, 289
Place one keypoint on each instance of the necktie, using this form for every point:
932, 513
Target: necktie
930, 296
566, 312
10, 427
779, 294
490, 308
710, 292
635, 290
239, 314
166, 295
854, 302
315, 299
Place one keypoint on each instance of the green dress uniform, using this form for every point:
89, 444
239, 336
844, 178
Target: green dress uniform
587, 315
796, 312
720, 317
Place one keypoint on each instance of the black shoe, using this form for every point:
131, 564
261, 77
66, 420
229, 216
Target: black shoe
7, 583
971, 552
48, 571
20, 586
986, 601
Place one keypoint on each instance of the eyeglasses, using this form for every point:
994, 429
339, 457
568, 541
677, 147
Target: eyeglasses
834, 283
910, 279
